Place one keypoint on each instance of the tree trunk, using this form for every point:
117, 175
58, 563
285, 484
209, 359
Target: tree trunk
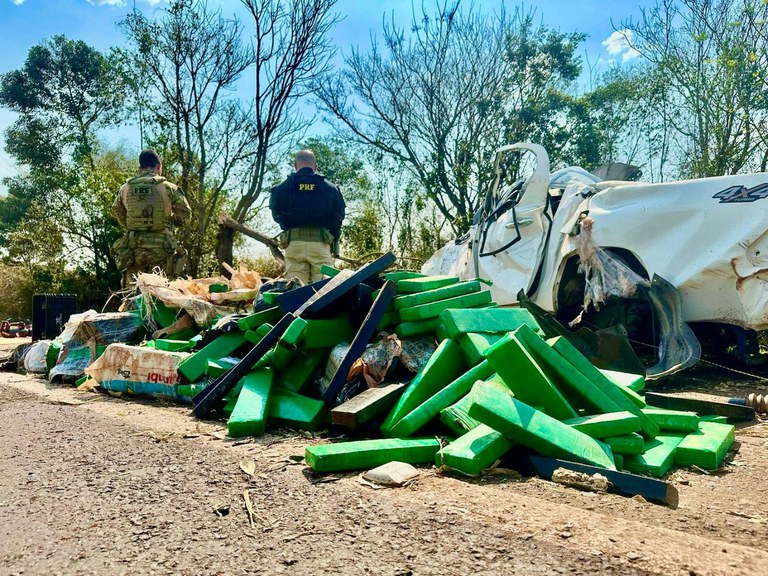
225, 238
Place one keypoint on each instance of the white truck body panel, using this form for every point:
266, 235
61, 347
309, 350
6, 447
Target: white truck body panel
708, 237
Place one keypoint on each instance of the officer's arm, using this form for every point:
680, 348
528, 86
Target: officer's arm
118, 208
338, 213
273, 206
181, 209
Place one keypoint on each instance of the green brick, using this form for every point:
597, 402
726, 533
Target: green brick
613, 391
190, 390
281, 357
267, 316
495, 406
633, 396
657, 458
605, 425
216, 369
194, 367
474, 346
474, 451
218, 288
330, 271
713, 418
424, 283
390, 318
430, 408
627, 444
327, 333
364, 454
293, 410
397, 275
456, 417
299, 372
520, 372
173, 345
635, 382
565, 375
249, 417
419, 328
433, 309
486, 321
230, 399
419, 298
255, 336
706, 447
618, 459
441, 333
673, 420
270, 298
294, 333
442, 368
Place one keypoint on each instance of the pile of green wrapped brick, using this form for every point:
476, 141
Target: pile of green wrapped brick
274, 390
278, 389
495, 383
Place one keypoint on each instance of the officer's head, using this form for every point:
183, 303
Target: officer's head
150, 160
305, 159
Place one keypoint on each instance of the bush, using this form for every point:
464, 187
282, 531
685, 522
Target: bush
266, 266
17, 288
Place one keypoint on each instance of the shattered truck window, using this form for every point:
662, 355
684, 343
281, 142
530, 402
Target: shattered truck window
516, 169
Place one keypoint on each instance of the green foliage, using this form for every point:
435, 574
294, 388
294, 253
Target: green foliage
17, 287
266, 266
712, 59
64, 92
362, 235
440, 98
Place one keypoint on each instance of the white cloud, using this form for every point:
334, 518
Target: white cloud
18, 2
618, 44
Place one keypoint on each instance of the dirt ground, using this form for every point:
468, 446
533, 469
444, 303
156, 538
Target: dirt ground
95, 484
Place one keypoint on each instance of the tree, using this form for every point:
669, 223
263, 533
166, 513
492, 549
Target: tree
291, 49
713, 55
440, 99
65, 91
194, 56
58, 211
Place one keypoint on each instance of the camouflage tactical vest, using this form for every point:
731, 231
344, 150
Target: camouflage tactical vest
147, 204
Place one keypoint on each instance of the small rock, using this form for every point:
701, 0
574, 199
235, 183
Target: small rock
639, 498
392, 474
565, 535
632, 556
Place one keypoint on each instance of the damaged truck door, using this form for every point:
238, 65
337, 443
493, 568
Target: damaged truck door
510, 237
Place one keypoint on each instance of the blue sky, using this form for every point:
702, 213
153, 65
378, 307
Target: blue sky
24, 23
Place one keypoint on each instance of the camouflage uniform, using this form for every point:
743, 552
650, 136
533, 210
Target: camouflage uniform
148, 207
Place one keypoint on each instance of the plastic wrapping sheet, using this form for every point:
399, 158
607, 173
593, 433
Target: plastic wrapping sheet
179, 294
376, 360
85, 333
139, 370
416, 353
605, 275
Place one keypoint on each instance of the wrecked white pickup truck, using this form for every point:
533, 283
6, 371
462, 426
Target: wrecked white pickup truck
587, 249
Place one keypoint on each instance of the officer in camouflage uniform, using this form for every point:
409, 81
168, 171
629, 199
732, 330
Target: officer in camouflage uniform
309, 210
148, 207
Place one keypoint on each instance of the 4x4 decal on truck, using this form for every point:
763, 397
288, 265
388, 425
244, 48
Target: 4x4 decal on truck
742, 194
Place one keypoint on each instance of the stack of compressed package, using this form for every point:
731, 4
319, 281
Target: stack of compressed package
490, 383
494, 383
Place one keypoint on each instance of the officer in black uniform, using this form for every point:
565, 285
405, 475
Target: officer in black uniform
309, 210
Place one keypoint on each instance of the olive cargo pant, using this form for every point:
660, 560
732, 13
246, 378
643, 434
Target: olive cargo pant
138, 252
304, 258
